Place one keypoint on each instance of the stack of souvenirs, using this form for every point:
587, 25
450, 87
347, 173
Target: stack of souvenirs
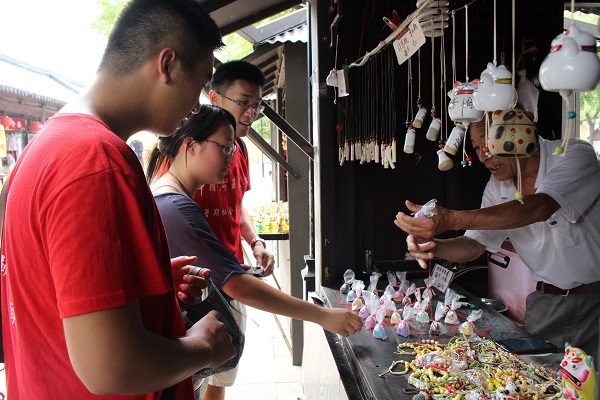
270, 218
469, 366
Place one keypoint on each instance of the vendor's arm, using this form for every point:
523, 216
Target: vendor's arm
258, 294
263, 257
112, 352
458, 249
512, 214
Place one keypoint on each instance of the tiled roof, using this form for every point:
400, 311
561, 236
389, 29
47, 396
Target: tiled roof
296, 34
26, 80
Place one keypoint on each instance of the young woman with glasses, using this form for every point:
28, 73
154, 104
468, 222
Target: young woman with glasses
199, 154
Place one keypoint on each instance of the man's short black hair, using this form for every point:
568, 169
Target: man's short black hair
226, 73
145, 27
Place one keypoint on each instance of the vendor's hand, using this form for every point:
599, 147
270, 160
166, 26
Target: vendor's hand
423, 228
190, 286
341, 321
420, 251
263, 259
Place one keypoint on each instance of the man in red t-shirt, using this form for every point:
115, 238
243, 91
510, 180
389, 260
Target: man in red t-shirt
236, 86
89, 297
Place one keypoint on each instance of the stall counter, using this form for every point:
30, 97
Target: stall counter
360, 358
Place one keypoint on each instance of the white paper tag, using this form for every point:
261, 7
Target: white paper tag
441, 277
342, 75
409, 41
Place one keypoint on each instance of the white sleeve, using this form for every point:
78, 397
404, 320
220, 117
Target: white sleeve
573, 180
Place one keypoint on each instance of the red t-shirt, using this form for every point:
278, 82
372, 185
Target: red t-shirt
82, 234
221, 203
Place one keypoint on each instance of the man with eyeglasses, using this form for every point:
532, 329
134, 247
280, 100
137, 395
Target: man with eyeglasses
236, 86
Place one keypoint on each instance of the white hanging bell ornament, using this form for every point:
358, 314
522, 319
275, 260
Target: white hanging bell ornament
572, 64
409, 142
495, 90
444, 162
434, 129
455, 140
461, 108
512, 134
420, 117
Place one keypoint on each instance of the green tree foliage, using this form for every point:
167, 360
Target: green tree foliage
236, 47
589, 108
108, 16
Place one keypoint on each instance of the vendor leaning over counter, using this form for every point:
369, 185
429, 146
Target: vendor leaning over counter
556, 232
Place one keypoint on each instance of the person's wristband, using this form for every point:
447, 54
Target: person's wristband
257, 239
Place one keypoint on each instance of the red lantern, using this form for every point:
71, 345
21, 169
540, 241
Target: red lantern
7, 122
35, 126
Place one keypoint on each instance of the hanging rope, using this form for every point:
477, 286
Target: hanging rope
453, 47
495, 37
444, 125
519, 194
433, 110
467, 42
513, 46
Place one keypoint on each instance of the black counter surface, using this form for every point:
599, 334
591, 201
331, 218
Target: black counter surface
361, 357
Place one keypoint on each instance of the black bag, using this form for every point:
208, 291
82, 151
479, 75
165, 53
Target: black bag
215, 301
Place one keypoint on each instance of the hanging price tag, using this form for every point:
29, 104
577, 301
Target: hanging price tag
409, 41
441, 277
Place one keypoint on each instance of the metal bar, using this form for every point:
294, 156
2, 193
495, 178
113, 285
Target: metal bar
289, 130
266, 148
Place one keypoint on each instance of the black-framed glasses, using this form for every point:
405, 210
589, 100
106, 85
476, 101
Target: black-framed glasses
228, 149
256, 107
